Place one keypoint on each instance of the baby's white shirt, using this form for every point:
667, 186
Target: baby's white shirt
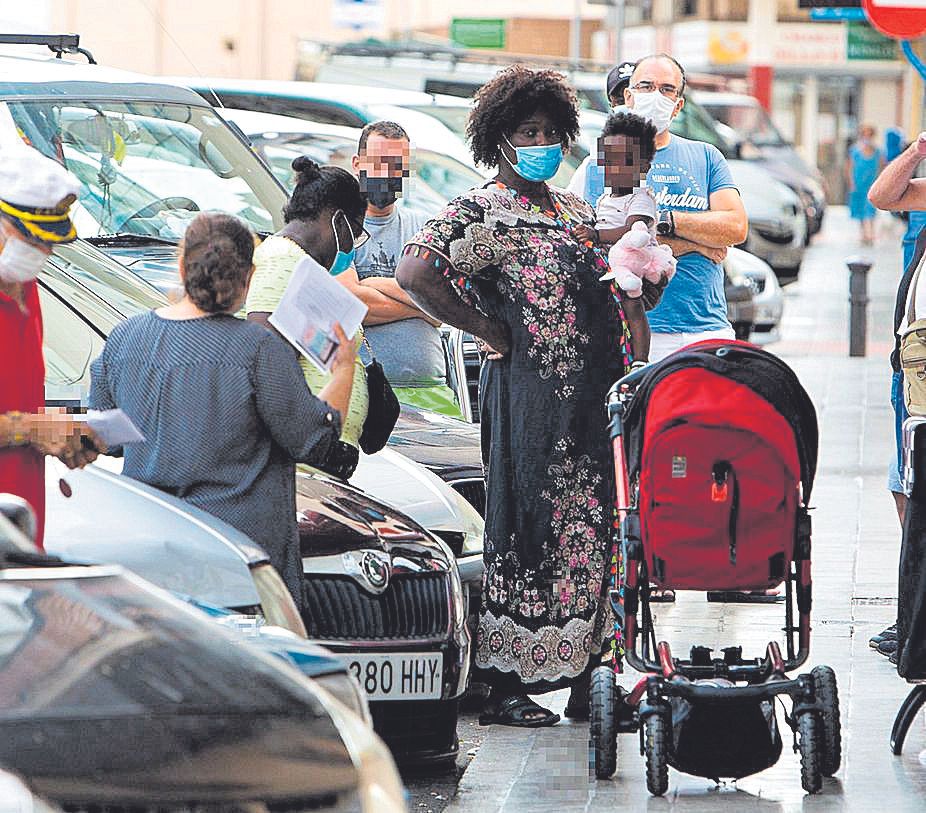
612, 212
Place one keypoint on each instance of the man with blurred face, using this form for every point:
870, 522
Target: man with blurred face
404, 339
700, 213
35, 197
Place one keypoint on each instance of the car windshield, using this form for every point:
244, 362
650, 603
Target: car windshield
452, 117
147, 168
750, 121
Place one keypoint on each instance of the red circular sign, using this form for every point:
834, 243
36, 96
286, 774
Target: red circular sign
900, 19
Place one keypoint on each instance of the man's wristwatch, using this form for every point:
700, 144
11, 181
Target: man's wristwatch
665, 225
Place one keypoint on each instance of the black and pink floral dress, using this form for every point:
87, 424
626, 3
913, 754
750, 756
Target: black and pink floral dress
544, 437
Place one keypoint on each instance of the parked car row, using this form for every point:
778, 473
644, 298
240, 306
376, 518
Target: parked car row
182, 713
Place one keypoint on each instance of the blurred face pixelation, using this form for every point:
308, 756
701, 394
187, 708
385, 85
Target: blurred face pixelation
624, 168
385, 157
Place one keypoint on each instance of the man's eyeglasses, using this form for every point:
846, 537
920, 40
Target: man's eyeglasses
648, 87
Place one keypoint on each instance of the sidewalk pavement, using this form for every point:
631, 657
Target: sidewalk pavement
856, 545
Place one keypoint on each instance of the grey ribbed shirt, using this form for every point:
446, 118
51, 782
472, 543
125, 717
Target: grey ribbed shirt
226, 414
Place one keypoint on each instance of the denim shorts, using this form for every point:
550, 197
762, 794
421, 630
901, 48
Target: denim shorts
895, 468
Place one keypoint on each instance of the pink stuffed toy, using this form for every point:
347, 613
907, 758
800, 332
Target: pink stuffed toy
637, 256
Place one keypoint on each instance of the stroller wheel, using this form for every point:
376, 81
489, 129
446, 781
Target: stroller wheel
603, 700
809, 729
827, 694
656, 746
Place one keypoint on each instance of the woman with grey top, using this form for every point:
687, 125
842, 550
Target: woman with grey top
221, 401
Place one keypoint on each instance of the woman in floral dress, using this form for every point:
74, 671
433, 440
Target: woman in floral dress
503, 263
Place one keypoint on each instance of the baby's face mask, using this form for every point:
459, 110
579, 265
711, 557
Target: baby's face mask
624, 168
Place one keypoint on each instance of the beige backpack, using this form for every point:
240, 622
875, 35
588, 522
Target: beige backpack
913, 353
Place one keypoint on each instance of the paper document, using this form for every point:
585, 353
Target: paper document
312, 302
113, 427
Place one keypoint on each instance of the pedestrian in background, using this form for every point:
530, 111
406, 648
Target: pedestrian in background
221, 401
896, 189
36, 194
700, 213
404, 339
324, 220
862, 167
503, 262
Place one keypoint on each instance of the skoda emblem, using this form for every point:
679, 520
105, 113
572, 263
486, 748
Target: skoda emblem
375, 571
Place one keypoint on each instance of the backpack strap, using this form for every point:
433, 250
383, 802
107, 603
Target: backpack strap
911, 295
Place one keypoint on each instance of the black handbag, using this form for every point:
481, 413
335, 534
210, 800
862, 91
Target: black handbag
383, 409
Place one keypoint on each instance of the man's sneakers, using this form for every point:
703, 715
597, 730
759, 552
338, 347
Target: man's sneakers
889, 634
885, 643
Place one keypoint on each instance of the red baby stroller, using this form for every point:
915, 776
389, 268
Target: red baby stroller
715, 451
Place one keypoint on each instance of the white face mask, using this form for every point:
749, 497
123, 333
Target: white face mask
19, 261
655, 107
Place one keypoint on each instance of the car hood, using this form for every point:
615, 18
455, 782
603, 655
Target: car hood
447, 446
335, 518
95, 515
174, 709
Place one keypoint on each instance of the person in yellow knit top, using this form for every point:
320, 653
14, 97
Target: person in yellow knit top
324, 219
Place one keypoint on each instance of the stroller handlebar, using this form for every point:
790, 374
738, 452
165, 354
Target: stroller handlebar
627, 382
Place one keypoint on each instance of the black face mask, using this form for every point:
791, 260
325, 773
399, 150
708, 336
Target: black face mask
380, 192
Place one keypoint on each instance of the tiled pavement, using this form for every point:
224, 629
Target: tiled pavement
856, 543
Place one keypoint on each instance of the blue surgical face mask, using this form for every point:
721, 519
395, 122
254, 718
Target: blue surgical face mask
343, 259
536, 163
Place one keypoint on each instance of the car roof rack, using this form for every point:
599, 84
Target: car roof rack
57, 43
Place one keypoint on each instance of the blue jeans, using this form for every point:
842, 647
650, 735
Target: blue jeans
894, 482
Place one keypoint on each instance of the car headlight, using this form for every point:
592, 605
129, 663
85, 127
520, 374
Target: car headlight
457, 600
279, 608
381, 789
473, 526
346, 689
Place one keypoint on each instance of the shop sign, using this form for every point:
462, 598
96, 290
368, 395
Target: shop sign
863, 42
809, 44
473, 32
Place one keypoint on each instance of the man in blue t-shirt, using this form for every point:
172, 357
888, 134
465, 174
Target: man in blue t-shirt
701, 213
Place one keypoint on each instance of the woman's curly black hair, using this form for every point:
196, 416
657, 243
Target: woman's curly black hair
319, 188
512, 96
641, 130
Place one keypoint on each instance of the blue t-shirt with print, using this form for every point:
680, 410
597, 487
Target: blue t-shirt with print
683, 176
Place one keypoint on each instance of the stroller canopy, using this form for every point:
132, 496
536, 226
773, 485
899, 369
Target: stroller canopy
766, 375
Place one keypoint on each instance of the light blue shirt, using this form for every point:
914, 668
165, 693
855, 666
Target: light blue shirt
683, 176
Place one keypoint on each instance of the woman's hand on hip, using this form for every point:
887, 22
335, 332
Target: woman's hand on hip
494, 340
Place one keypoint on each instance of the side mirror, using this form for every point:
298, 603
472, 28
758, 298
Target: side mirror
20, 514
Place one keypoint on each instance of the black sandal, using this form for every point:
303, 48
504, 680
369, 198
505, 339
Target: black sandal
578, 706
514, 711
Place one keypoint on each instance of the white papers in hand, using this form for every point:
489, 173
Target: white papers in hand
113, 427
312, 302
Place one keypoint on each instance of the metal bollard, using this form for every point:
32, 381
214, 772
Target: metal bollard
858, 304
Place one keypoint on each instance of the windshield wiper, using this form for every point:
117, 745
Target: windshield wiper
129, 239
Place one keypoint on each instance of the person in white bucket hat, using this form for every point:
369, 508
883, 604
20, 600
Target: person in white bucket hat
36, 194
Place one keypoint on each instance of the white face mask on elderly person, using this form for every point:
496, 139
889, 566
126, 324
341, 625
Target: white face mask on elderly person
19, 261
654, 106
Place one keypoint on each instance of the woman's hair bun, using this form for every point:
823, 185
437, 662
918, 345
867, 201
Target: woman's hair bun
309, 169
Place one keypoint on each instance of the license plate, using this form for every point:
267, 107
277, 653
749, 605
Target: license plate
399, 675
